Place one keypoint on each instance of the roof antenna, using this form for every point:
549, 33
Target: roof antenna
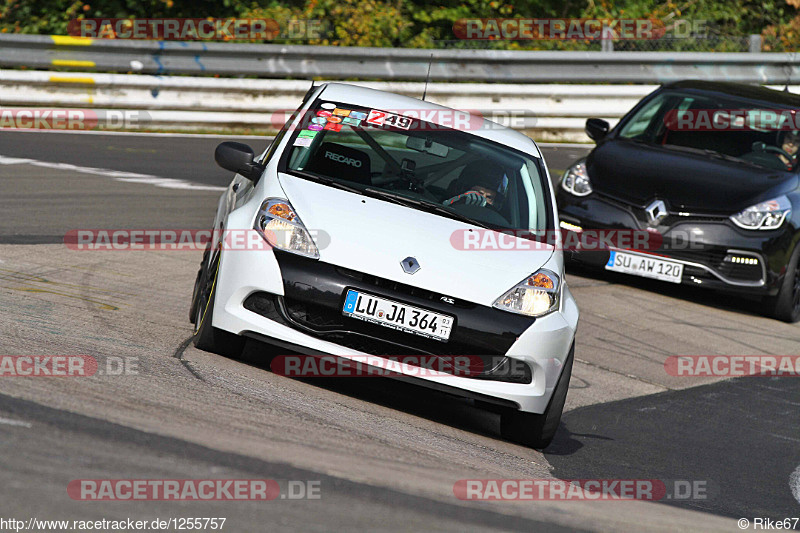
427, 78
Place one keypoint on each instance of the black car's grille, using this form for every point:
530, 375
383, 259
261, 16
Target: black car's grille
640, 214
332, 326
742, 272
721, 261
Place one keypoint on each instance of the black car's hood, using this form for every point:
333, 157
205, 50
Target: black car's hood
692, 182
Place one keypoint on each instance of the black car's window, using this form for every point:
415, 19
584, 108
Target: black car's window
377, 152
735, 130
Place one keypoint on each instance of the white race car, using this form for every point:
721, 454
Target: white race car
388, 226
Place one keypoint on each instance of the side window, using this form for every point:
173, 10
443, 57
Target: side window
639, 124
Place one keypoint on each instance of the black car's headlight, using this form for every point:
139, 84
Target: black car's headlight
279, 224
538, 295
576, 180
764, 216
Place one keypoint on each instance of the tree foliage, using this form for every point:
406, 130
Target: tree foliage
416, 23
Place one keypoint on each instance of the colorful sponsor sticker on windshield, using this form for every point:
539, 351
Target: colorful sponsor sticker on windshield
315, 127
351, 121
319, 120
379, 118
328, 105
323, 113
333, 127
341, 112
303, 141
306, 134
358, 114
335, 120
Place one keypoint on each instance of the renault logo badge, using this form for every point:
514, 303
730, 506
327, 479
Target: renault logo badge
410, 265
656, 212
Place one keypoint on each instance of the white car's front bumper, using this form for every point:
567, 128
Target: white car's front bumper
544, 345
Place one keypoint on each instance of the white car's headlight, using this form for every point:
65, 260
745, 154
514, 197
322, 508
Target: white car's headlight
279, 224
764, 216
536, 296
576, 180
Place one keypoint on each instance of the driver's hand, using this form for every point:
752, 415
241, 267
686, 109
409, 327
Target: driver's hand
467, 198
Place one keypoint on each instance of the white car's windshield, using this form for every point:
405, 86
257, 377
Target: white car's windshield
419, 164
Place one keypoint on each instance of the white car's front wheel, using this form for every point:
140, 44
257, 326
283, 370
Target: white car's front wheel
206, 336
538, 430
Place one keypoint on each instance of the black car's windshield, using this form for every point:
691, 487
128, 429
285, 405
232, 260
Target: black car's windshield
737, 131
421, 165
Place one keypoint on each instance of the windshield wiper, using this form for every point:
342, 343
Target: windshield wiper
424, 205
327, 181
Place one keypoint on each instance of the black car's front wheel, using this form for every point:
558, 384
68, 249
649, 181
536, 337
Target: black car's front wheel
206, 336
786, 304
538, 430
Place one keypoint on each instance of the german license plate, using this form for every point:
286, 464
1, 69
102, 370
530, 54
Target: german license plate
401, 317
646, 267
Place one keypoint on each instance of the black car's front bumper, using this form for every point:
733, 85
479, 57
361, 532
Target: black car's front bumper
710, 247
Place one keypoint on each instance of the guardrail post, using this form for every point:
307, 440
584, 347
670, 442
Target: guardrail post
755, 44
607, 39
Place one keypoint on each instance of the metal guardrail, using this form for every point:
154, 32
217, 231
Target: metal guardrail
544, 111
305, 62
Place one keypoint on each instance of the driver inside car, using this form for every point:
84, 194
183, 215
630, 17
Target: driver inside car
485, 183
789, 144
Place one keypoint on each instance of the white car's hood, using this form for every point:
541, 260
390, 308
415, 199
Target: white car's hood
374, 236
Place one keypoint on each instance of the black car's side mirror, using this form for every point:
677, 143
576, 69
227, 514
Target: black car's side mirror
238, 157
597, 128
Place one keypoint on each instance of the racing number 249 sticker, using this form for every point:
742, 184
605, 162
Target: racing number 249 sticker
379, 118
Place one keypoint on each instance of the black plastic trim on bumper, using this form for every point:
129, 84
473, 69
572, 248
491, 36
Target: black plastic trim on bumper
490, 367
447, 389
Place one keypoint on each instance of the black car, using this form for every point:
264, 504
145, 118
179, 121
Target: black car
711, 170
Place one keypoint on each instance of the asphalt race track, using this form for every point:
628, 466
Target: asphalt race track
384, 454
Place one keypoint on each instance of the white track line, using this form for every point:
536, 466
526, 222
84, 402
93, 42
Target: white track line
144, 133
127, 177
9, 422
794, 483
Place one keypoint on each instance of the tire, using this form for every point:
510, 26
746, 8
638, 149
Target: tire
786, 304
538, 430
206, 336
